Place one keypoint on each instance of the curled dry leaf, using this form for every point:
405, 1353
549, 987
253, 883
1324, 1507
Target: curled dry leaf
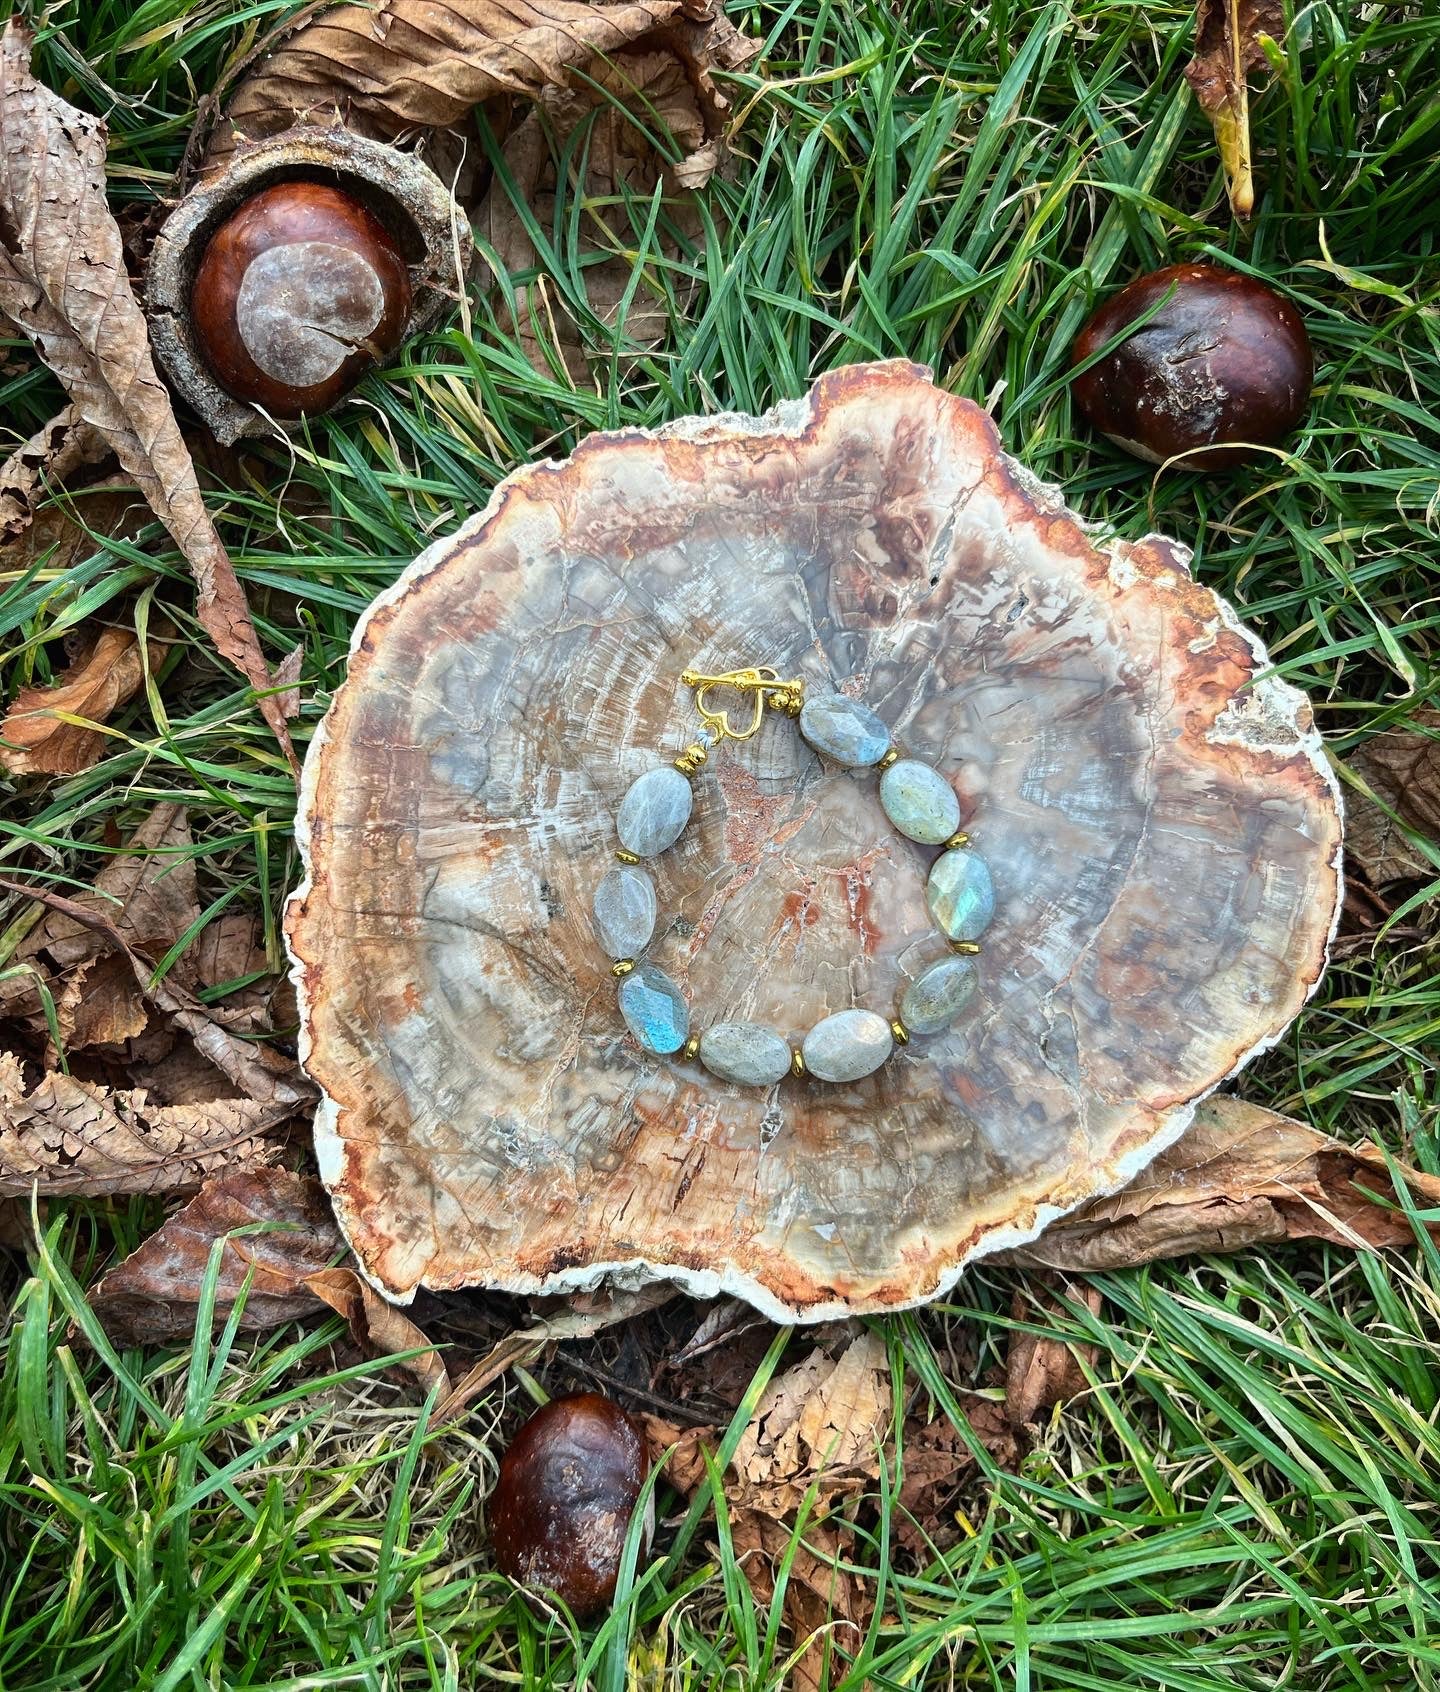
398, 66
1227, 50
63, 281
41, 733
49, 458
1042, 1370
825, 1606
1402, 768
153, 1295
76, 1137
1240, 1176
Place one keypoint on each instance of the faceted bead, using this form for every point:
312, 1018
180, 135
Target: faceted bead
960, 894
845, 730
624, 909
746, 1053
847, 1046
654, 812
936, 997
654, 1009
919, 801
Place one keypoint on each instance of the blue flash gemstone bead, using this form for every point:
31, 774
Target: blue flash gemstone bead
746, 1053
847, 1046
624, 908
960, 894
654, 812
936, 997
654, 1009
844, 730
919, 801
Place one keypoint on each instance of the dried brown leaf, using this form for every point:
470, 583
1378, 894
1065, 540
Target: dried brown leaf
825, 1606
1402, 768
378, 1328
76, 1137
48, 459
1241, 1175
1042, 1371
680, 1449
402, 65
63, 281
152, 1295
1227, 50
38, 738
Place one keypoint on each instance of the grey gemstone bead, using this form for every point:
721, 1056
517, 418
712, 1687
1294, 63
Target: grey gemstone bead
960, 894
624, 909
746, 1053
654, 1009
936, 997
845, 730
919, 801
847, 1046
654, 812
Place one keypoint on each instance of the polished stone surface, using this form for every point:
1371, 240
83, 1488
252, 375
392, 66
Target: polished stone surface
919, 801
654, 812
846, 1046
844, 730
654, 1009
747, 1053
936, 997
960, 894
624, 907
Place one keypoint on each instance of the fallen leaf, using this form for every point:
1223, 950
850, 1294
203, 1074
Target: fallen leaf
260, 1071
1240, 1175
63, 281
825, 1607
682, 1450
48, 459
389, 69
1401, 767
526, 1344
1227, 50
76, 1137
39, 737
1042, 1371
151, 1296
817, 1430
378, 1328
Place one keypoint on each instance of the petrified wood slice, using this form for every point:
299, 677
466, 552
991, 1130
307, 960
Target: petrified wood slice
1160, 821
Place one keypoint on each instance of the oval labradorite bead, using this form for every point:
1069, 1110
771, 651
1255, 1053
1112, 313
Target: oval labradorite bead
936, 997
624, 908
746, 1053
844, 730
654, 812
960, 894
654, 1009
919, 801
847, 1046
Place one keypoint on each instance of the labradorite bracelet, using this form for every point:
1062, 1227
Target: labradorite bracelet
848, 1044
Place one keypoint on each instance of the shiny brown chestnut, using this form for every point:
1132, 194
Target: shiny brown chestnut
299, 292
1224, 363
568, 1486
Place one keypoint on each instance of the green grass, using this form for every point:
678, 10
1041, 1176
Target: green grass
1247, 1496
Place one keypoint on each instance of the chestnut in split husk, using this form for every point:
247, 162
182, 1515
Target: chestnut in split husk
1224, 363
567, 1488
299, 292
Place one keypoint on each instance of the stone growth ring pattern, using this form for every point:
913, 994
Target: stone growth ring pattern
848, 1044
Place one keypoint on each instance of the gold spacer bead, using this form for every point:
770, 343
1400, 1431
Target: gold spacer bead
691, 1049
966, 948
622, 966
900, 1032
627, 857
797, 1063
960, 839
891, 757
691, 758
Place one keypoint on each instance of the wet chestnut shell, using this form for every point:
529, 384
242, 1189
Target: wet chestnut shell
1225, 359
298, 293
563, 1502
